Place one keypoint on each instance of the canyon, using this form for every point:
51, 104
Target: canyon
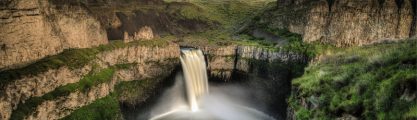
57, 57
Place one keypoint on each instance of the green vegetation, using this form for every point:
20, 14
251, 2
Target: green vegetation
106, 108
136, 91
90, 80
189, 11
221, 38
294, 43
371, 82
228, 13
232, 15
73, 58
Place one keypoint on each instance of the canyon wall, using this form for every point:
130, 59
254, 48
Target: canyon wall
224, 60
267, 72
142, 61
127, 19
344, 22
33, 29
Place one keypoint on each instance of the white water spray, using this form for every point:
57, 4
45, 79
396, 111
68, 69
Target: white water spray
194, 67
188, 99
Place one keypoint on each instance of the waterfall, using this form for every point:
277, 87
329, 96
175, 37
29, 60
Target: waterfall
195, 103
195, 74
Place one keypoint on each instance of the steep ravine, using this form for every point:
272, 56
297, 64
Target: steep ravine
266, 72
79, 57
72, 64
51, 94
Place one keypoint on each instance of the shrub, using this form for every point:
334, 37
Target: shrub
368, 82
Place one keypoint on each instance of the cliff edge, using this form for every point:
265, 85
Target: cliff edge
343, 22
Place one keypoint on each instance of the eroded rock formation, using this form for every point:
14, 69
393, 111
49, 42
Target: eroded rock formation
144, 33
33, 29
345, 22
38, 85
224, 60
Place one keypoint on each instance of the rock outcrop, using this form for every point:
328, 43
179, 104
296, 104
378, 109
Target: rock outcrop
144, 33
63, 106
26, 87
33, 29
123, 19
224, 60
345, 22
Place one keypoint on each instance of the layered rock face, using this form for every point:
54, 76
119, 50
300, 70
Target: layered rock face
223, 61
137, 24
267, 72
33, 29
145, 33
345, 22
63, 106
147, 62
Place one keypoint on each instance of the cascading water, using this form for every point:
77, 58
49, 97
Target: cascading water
194, 67
188, 99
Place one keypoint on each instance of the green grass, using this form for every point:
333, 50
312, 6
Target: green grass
136, 91
412, 113
227, 13
368, 82
295, 43
106, 108
87, 82
232, 14
189, 11
73, 59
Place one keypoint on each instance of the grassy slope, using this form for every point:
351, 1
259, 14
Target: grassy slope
86, 83
228, 13
71, 58
371, 82
106, 108
231, 15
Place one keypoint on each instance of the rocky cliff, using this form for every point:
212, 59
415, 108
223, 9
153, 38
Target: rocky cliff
33, 29
57, 91
344, 22
267, 72
224, 60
